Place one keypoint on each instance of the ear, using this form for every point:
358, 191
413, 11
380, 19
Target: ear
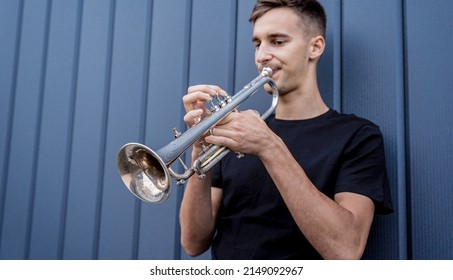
317, 46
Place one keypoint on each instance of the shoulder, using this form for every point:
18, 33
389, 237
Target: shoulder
343, 127
353, 125
350, 120
330, 126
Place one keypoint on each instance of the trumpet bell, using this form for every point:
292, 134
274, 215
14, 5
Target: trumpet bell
144, 173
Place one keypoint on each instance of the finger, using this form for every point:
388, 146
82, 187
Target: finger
252, 112
212, 90
216, 133
197, 96
228, 118
219, 140
193, 117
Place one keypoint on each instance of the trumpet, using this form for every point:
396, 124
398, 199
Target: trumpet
147, 173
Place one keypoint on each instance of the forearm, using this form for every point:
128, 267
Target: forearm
332, 229
196, 215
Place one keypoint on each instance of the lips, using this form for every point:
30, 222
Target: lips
274, 72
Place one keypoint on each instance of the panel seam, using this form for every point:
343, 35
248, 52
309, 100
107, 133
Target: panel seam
103, 140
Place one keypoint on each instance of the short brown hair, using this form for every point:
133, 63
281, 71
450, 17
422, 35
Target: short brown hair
310, 11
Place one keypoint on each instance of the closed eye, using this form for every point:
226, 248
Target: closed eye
279, 42
256, 44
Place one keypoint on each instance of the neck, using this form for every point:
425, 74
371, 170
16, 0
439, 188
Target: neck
300, 104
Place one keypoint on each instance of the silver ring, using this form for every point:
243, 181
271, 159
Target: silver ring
211, 130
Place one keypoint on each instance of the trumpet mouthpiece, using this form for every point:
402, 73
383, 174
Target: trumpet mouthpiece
266, 72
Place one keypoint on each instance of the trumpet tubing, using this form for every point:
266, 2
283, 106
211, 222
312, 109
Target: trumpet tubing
147, 173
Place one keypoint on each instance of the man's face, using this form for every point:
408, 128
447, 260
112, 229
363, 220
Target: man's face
280, 44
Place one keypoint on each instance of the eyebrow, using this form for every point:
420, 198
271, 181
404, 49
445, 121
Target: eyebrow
272, 36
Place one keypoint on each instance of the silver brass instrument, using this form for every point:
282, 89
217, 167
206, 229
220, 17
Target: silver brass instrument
146, 173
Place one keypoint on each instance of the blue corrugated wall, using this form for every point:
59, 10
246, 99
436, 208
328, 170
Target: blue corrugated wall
78, 79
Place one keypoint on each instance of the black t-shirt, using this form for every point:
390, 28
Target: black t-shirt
338, 152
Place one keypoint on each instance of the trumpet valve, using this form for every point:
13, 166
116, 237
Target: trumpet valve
213, 106
228, 98
203, 147
220, 100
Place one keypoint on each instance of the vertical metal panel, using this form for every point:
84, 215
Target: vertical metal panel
211, 49
168, 64
245, 69
119, 210
87, 154
55, 131
329, 70
371, 65
430, 103
20, 178
10, 34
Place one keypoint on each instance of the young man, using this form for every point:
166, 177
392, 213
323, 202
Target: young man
312, 179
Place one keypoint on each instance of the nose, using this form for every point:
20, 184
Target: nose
262, 54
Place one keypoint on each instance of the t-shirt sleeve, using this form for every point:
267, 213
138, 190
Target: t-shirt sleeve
363, 169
